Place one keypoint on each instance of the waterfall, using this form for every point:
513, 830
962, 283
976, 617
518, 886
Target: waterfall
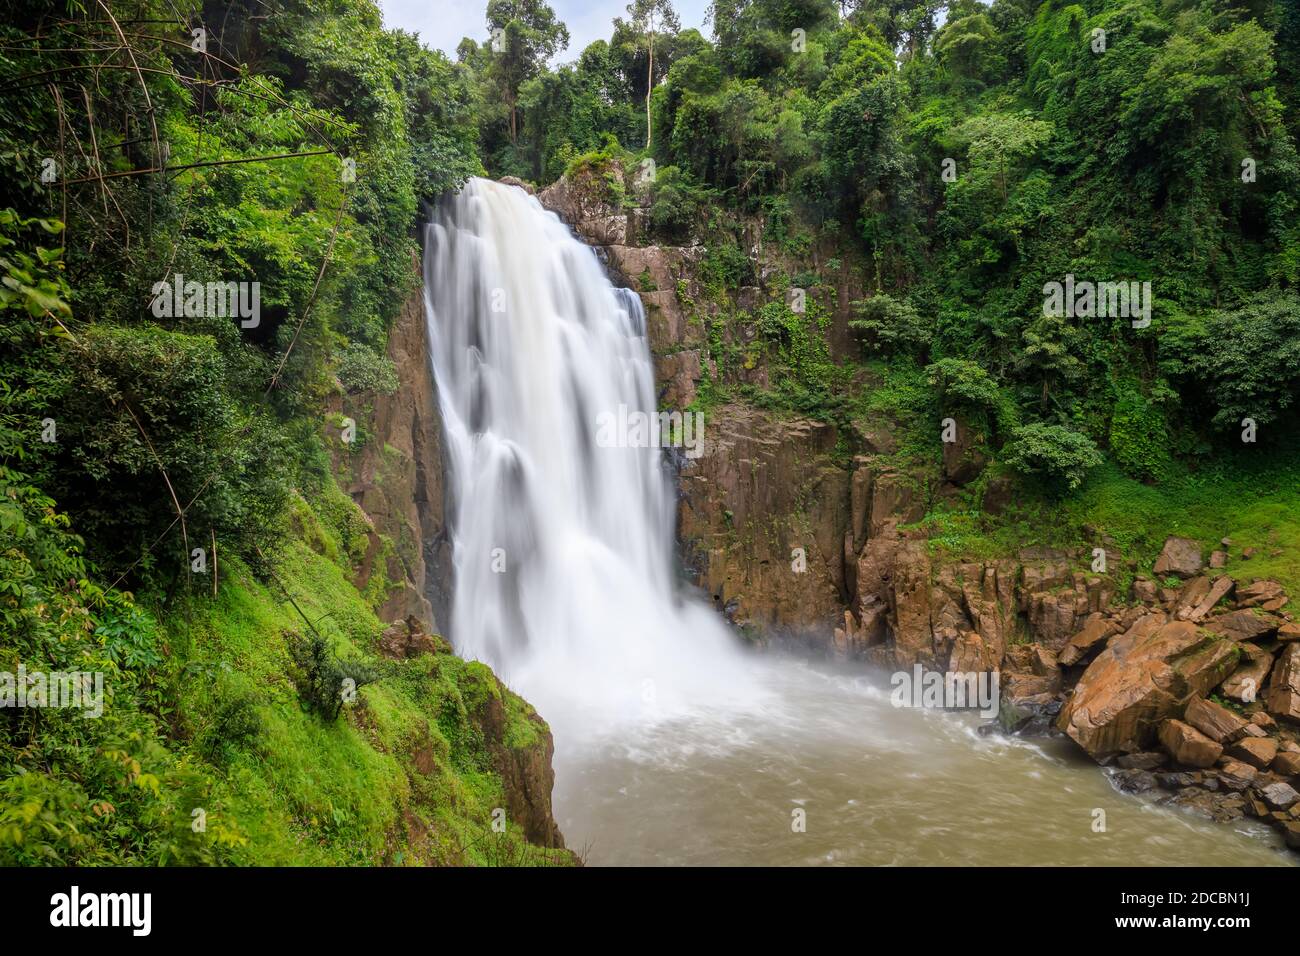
562, 542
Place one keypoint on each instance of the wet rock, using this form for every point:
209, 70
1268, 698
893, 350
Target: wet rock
1187, 745
1176, 781
1143, 761
1180, 557
1284, 685
1216, 722
1236, 774
677, 374
910, 603
1134, 781
1291, 833
766, 485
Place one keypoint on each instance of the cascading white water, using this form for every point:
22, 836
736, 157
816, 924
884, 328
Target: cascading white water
562, 546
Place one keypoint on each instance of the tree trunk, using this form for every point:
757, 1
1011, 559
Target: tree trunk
649, 87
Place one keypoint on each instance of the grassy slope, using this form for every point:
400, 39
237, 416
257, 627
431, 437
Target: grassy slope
402, 777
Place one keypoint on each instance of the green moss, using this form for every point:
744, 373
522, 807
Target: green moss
405, 776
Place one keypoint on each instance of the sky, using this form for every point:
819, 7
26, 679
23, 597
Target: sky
442, 23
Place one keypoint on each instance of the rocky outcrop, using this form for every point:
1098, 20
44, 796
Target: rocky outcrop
1144, 676
1284, 685
760, 521
396, 477
1181, 557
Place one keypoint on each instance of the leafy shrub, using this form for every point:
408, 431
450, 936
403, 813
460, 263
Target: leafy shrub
362, 369
1248, 359
725, 267
1054, 453
891, 325
322, 678
675, 203
1139, 437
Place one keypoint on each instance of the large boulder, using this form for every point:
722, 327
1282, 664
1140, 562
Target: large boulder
1215, 721
1284, 686
1187, 745
1144, 676
1180, 557
1244, 625
1096, 630
1247, 680
1256, 751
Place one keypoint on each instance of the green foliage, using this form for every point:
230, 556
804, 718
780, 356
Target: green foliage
1061, 457
157, 434
1245, 362
1139, 437
891, 325
324, 681
361, 368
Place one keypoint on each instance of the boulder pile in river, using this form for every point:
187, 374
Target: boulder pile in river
1193, 690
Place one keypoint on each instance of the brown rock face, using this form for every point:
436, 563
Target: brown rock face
762, 519
526, 772
1287, 764
1142, 677
397, 479
1096, 631
1244, 625
910, 604
1256, 751
1259, 593
1217, 591
1187, 745
409, 638
962, 458
1284, 686
677, 373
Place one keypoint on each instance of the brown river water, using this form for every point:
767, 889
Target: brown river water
878, 784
